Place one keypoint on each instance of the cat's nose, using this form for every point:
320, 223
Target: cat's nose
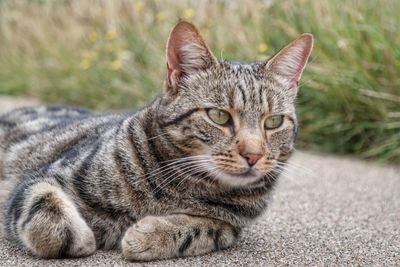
252, 158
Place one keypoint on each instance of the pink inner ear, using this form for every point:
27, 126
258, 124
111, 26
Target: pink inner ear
182, 34
173, 74
291, 60
173, 60
186, 52
305, 53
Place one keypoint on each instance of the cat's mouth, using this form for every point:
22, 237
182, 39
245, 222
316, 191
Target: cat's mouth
241, 176
246, 174
244, 178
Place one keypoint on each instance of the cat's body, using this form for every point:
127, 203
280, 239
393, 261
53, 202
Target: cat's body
152, 182
107, 163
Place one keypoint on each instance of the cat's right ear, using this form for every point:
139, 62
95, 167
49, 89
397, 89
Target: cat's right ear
186, 53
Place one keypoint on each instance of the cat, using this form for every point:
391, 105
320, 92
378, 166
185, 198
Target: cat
179, 177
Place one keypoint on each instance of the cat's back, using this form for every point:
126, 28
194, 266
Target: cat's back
25, 121
33, 137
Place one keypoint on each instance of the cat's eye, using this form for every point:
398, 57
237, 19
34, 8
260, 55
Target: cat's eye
273, 122
218, 116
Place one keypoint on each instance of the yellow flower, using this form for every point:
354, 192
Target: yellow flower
93, 36
85, 64
161, 16
116, 64
188, 13
138, 7
89, 55
111, 35
263, 47
110, 47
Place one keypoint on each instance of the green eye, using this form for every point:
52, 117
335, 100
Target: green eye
218, 116
273, 122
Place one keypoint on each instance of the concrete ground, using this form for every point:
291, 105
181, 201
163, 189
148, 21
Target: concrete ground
326, 210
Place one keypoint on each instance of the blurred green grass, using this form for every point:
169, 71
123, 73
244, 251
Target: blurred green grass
110, 55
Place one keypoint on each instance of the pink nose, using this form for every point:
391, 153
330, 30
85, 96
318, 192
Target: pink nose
252, 158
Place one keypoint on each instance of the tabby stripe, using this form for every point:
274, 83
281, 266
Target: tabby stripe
252, 93
269, 104
240, 210
167, 137
80, 176
7, 123
101, 235
13, 138
232, 99
243, 95
179, 118
123, 161
55, 108
260, 97
67, 241
235, 232
185, 245
217, 235
36, 207
15, 207
294, 129
152, 144
87, 163
194, 136
123, 167
136, 147
70, 156
196, 232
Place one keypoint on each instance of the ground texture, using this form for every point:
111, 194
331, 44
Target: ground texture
326, 211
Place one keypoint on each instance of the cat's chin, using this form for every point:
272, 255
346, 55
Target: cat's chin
238, 180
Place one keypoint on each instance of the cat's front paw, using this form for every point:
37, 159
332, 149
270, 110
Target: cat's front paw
148, 239
51, 226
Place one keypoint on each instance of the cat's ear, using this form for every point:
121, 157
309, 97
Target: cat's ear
186, 53
289, 62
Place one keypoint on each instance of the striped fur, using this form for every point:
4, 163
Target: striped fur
161, 182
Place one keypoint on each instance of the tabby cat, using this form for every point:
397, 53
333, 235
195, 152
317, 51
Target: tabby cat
180, 177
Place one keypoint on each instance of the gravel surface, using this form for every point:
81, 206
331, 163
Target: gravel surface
326, 211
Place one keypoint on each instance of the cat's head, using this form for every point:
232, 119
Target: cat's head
231, 121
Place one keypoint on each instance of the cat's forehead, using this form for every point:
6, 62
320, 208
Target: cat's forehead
250, 76
244, 87
241, 68
250, 88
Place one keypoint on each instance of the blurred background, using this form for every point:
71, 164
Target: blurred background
106, 54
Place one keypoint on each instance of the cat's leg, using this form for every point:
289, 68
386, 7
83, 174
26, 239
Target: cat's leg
175, 236
42, 219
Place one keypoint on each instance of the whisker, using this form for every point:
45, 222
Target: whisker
185, 158
169, 165
184, 171
172, 167
196, 178
157, 136
289, 172
297, 167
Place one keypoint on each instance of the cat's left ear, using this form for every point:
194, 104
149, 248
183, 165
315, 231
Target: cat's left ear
289, 62
186, 53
